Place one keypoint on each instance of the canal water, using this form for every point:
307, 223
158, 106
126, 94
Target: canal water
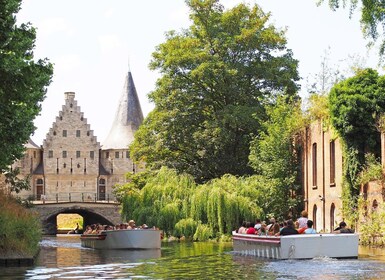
62, 257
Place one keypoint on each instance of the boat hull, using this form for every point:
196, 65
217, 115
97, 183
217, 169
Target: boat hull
123, 239
301, 246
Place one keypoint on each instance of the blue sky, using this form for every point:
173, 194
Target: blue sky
92, 42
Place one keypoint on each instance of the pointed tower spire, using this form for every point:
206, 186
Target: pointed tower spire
128, 118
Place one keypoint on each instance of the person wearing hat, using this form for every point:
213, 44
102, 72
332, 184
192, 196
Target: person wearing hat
131, 224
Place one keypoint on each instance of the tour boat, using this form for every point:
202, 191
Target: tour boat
298, 246
123, 239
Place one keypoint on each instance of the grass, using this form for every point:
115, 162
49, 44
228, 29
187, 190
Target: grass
20, 229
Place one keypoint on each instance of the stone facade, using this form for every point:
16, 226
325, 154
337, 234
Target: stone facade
72, 165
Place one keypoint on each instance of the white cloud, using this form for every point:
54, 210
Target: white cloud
108, 43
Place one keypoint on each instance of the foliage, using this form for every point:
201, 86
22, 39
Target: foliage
15, 184
372, 172
20, 229
355, 107
372, 17
185, 227
217, 77
318, 108
178, 206
274, 155
22, 83
203, 233
372, 227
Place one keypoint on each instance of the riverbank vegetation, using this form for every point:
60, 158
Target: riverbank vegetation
20, 229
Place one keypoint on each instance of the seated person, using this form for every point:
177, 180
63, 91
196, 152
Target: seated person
250, 228
343, 229
289, 229
310, 228
243, 228
131, 225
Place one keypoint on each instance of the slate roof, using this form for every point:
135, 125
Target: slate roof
128, 118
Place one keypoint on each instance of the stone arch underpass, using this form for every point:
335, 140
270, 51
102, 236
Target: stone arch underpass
92, 213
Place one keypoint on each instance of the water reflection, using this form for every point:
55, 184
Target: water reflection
63, 258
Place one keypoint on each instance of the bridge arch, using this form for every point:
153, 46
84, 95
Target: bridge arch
92, 213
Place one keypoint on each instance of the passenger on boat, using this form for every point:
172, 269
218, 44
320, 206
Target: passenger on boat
270, 225
310, 228
274, 229
131, 224
343, 229
289, 229
250, 228
88, 230
243, 228
303, 219
258, 225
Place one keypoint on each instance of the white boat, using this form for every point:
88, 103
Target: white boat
298, 246
123, 239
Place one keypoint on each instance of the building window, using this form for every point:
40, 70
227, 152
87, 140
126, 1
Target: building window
34, 154
81, 118
88, 133
50, 154
332, 217
92, 154
127, 154
374, 205
64, 153
78, 154
314, 163
107, 154
64, 133
332, 164
78, 133
54, 133
116, 154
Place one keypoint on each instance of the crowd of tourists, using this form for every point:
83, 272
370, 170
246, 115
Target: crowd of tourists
289, 227
98, 228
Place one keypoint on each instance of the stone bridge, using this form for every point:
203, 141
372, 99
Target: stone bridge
92, 213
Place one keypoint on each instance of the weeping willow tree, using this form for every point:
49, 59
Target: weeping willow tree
180, 207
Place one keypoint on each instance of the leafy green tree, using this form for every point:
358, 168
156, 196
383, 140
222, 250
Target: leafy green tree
372, 17
274, 155
23, 83
356, 105
216, 76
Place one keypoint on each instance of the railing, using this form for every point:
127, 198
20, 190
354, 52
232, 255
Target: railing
70, 197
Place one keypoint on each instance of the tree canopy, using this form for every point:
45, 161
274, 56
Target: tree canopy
217, 78
23, 83
356, 106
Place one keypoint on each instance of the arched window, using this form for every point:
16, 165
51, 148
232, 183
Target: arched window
102, 189
332, 216
315, 217
39, 188
314, 164
332, 163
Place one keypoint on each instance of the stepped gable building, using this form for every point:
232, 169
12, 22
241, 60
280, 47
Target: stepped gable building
72, 164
